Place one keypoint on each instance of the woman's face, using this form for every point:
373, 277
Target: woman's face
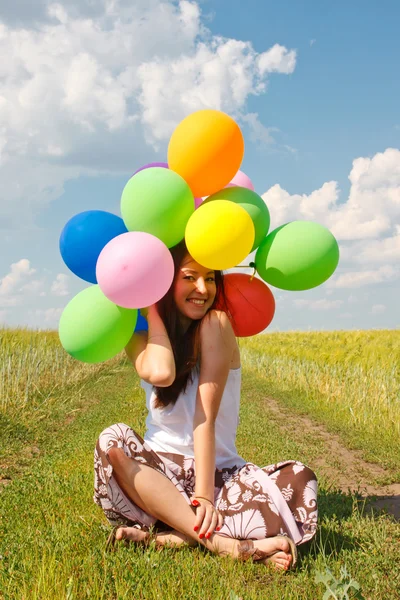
194, 290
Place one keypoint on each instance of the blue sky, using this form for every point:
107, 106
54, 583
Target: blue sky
91, 91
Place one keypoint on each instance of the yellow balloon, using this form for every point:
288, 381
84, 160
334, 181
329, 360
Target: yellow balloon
206, 149
219, 234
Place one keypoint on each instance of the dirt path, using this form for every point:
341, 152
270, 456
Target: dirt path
345, 468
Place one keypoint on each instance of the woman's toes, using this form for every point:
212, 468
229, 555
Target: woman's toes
130, 533
120, 534
281, 560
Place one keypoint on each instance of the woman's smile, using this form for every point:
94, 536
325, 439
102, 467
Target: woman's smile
195, 290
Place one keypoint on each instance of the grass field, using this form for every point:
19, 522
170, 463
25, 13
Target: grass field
52, 409
350, 381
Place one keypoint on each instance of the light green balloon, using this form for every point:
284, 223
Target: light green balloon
297, 256
93, 329
157, 201
252, 203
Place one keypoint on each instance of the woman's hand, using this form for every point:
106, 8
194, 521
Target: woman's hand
208, 519
149, 311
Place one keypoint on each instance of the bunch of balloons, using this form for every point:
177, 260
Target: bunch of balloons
199, 195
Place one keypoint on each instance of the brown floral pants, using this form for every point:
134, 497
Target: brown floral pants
255, 503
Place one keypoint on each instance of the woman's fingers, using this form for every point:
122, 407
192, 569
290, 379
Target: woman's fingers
207, 520
200, 513
213, 524
203, 519
210, 522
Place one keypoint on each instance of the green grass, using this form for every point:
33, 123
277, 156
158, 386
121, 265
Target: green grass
52, 543
53, 535
41, 386
33, 368
348, 380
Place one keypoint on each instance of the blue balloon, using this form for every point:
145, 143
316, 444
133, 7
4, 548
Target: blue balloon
84, 237
141, 323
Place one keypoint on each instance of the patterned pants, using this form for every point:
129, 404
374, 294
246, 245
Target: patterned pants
249, 508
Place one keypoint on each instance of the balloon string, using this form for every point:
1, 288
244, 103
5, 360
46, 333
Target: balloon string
243, 266
251, 265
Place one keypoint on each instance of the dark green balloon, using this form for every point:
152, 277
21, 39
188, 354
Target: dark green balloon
297, 256
93, 329
157, 201
252, 203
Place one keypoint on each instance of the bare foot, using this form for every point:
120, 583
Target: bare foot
174, 539
280, 550
278, 547
171, 539
131, 534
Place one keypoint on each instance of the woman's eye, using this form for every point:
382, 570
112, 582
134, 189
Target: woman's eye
188, 277
210, 279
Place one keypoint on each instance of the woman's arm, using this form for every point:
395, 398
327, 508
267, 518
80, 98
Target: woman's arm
218, 342
151, 353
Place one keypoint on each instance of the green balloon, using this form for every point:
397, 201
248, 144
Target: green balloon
93, 329
252, 203
157, 201
297, 256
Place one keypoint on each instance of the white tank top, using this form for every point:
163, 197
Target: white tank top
170, 429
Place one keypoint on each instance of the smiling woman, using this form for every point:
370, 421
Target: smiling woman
195, 290
185, 476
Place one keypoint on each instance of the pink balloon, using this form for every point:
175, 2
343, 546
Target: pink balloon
164, 165
197, 202
241, 180
135, 269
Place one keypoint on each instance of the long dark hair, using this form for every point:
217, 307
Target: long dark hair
185, 344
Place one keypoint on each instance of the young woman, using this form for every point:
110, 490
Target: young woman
184, 483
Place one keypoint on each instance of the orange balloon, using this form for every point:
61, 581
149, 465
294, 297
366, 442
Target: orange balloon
206, 149
249, 302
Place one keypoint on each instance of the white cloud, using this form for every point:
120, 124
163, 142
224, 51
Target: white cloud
10, 301
221, 74
357, 279
371, 210
378, 309
86, 85
385, 250
33, 287
314, 207
18, 288
258, 132
321, 304
10, 282
365, 224
59, 287
290, 149
48, 318
277, 60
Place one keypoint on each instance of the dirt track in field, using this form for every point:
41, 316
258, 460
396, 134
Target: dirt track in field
345, 468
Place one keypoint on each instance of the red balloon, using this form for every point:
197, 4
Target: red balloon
250, 303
